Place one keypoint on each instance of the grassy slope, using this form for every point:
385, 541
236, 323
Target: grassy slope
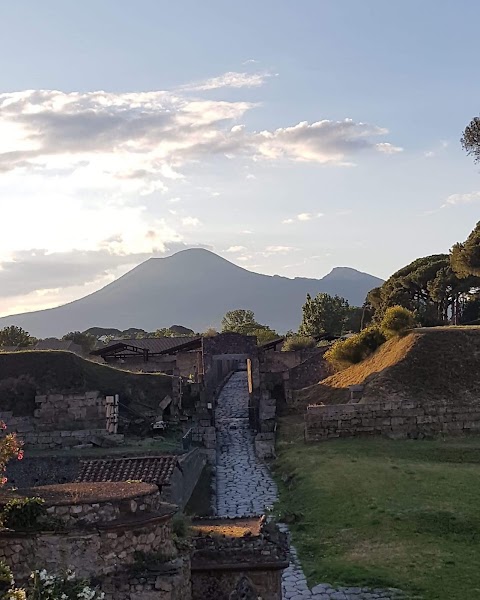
22, 374
381, 512
428, 364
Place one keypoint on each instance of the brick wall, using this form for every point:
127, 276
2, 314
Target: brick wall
396, 419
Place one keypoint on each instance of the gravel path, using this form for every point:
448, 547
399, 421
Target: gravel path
244, 487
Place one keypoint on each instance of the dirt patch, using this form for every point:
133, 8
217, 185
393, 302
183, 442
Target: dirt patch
228, 527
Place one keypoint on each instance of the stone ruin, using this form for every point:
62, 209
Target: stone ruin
119, 536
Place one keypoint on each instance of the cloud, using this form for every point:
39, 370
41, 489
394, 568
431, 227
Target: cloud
271, 250
322, 142
305, 216
138, 142
191, 222
37, 269
457, 199
232, 79
234, 249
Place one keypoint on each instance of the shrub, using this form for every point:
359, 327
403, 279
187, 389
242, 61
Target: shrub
397, 320
23, 513
298, 342
181, 525
356, 348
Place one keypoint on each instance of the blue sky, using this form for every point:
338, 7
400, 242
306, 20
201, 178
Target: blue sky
166, 125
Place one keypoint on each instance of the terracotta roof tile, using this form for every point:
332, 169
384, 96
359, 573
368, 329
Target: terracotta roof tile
149, 469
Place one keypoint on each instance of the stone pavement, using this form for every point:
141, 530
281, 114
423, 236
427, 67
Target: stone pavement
244, 487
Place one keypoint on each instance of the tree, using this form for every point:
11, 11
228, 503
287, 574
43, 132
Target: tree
470, 139
15, 336
465, 257
85, 340
240, 321
324, 314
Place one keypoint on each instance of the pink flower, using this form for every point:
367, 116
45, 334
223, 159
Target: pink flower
20, 455
3, 480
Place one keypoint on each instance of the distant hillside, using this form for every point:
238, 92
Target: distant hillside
194, 287
436, 364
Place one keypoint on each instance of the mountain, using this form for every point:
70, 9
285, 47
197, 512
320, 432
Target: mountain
195, 287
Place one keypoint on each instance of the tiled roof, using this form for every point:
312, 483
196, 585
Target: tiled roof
54, 344
149, 469
153, 345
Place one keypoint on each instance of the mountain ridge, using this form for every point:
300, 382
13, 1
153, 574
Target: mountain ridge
194, 287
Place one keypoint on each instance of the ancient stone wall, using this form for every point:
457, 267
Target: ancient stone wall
171, 582
61, 420
222, 353
312, 370
395, 419
98, 538
219, 563
278, 361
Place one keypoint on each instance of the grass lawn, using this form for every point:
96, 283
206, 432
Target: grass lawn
384, 513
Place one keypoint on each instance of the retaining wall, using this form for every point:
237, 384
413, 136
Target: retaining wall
396, 419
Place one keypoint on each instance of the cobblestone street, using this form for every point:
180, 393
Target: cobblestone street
244, 487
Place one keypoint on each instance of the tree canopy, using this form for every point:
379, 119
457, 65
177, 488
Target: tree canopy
324, 314
243, 321
85, 340
470, 139
438, 289
465, 257
15, 336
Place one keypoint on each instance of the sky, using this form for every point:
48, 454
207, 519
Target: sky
288, 137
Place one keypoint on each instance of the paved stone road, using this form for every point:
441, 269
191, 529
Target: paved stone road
244, 487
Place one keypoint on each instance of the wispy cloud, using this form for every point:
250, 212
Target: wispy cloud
457, 199
234, 249
191, 222
232, 79
271, 250
302, 217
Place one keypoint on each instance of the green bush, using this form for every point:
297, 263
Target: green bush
298, 342
181, 525
397, 320
23, 513
353, 350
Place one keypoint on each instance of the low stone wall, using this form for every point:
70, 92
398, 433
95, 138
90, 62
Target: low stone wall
206, 435
396, 419
93, 553
172, 582
72, 515
101, 528
48, 440
221, 562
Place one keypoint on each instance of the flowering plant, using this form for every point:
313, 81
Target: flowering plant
7, 589
10, 446
64, 586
